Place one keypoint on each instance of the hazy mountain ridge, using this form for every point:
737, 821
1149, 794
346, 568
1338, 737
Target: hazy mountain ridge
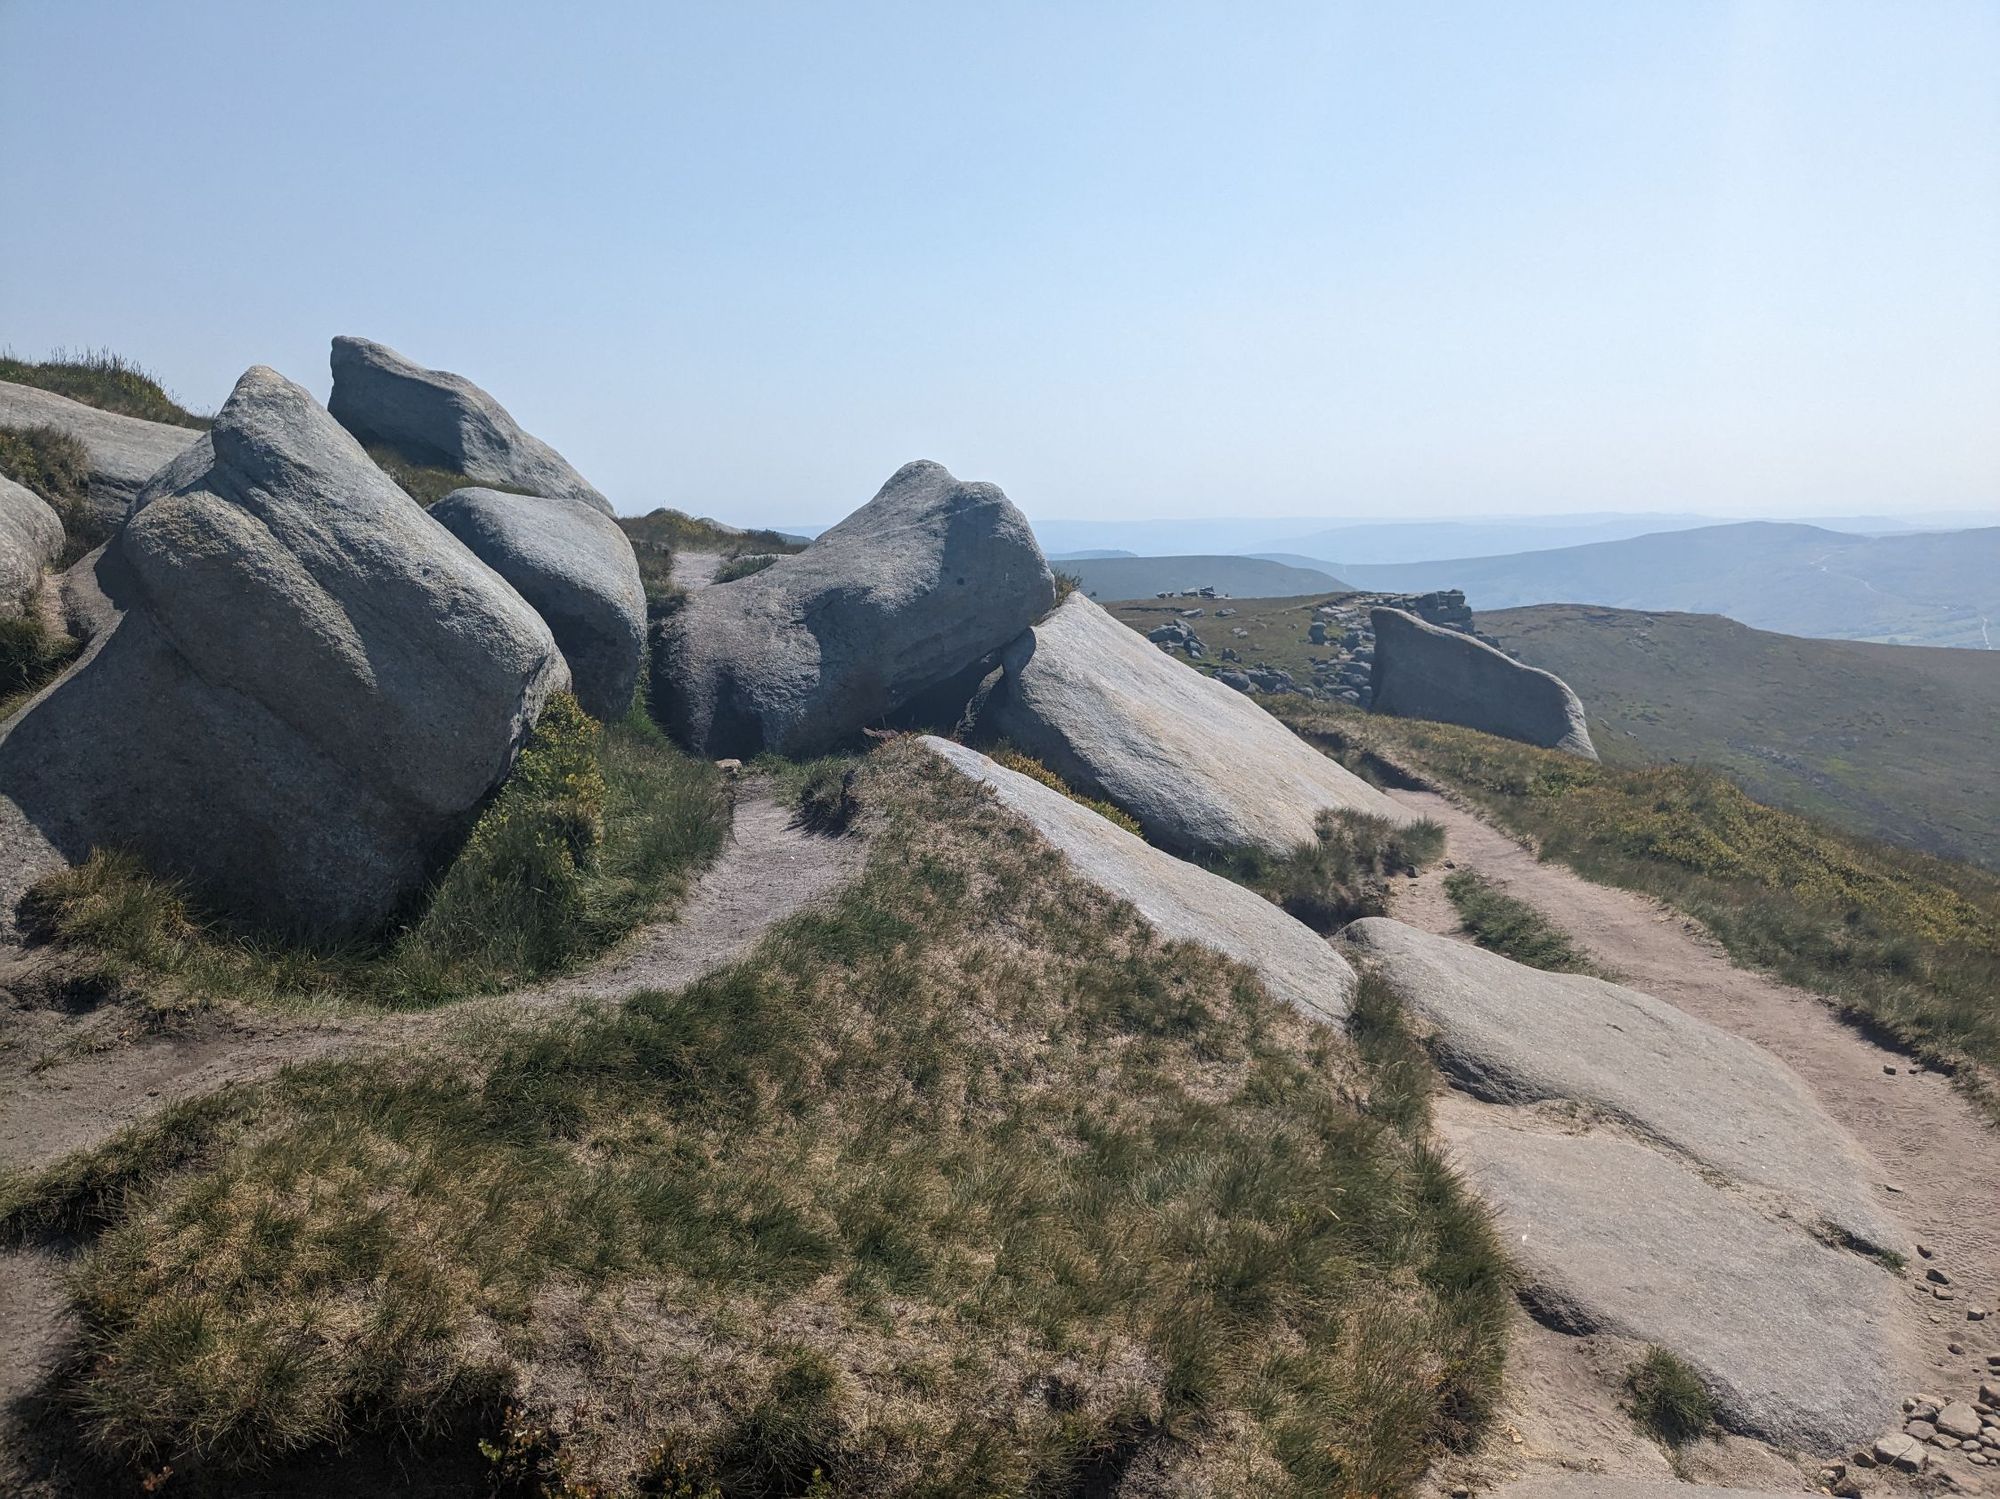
1239, 577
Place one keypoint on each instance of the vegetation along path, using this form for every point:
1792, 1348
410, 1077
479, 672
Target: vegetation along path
1941, 1171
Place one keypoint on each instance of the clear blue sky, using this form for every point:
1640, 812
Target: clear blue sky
1125, 260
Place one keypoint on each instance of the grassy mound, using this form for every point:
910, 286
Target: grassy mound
1908, 944
100, 378
55, 466
595, 830
659, 534
1342, 875
965, 1184
1510, 927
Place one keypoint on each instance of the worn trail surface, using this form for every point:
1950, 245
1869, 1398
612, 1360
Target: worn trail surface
1940, 1162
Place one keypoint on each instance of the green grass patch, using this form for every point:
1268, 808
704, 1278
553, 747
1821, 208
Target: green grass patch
743, 567
1510, 927
1343, 874
1907, 944
55, 466
1667, 1399
595, 831
100, 378
31, 654
657, 535
963, 1183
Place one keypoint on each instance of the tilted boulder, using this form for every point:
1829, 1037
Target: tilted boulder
1178, 899
1200, 766
1422, 671
311, 687
125, 451
441, 420
910, 589
575, 565
31, 538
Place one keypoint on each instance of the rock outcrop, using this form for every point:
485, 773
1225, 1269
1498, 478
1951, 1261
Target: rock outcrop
1661, 1180
1179, 899
124, 450
1202, 768
311, 687
1423, 671
31, 538
441, 420
574, 564
912, 588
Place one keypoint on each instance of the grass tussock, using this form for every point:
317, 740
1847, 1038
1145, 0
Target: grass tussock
1343, 874
596, 829
743, 567
55, 466
1667, 1399
1907, 944
1513, 928
100, 378
31, 654
964, 1183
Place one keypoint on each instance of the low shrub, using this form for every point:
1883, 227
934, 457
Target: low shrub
733, 568
1667, 1399
1513, 928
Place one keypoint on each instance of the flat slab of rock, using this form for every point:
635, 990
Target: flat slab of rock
309, 692
914, 587
442, 420
1598, 1486
1792, 1337
1179, 899
1507, 1033
1202, 768
125, 451
1422, 671
575, 566
31, 538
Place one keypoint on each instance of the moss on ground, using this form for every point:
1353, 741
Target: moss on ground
964, 1183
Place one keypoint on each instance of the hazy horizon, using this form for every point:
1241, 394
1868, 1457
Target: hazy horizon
1136, 263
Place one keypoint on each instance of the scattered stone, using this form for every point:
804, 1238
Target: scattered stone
1923, 1431
1937, 1277
730, 767
1886, 1067
313, 690
916, 586
1904, 1453
1959, 1420
1424, 671
124, 450
1179, 899
440, 420
1201, 768
1943, 1293
1989, 1390
575, 566
1925, 1250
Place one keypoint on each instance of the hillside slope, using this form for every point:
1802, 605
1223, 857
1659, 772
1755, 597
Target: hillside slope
1879, 739
1239, 577
1931, 588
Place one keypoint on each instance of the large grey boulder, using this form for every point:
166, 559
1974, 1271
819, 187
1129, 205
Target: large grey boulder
442, 420
1510, 1034
912, 588
124, 450
1422, 671
1200, 766
1179, 900
31, 538
575, 565
1796, 1340
311, 687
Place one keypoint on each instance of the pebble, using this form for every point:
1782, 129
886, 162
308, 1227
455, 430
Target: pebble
1925, 1250
1943, 1293
1888, 1069
1899, 1450
1937, 1277
1954, 1348
1923, 1431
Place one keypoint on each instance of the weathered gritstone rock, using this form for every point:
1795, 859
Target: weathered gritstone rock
31, 537
1422, 671
442, 420
312, 687
1510, 1034
1791, 1336
125, 451
1201, 767
1596, 1486
914, 587
574, 564
1179, 899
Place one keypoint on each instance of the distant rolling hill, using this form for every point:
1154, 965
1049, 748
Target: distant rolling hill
1239, 577
1892, 741
1927, 588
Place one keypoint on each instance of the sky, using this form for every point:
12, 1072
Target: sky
1150, 260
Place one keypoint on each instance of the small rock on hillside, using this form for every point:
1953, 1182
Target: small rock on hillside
1180, 900
1201, 767
441, 420
914, 587
1510, 1034
575, 565
1794, 1338
125, 451
311, 689
1422, 671
31, 537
